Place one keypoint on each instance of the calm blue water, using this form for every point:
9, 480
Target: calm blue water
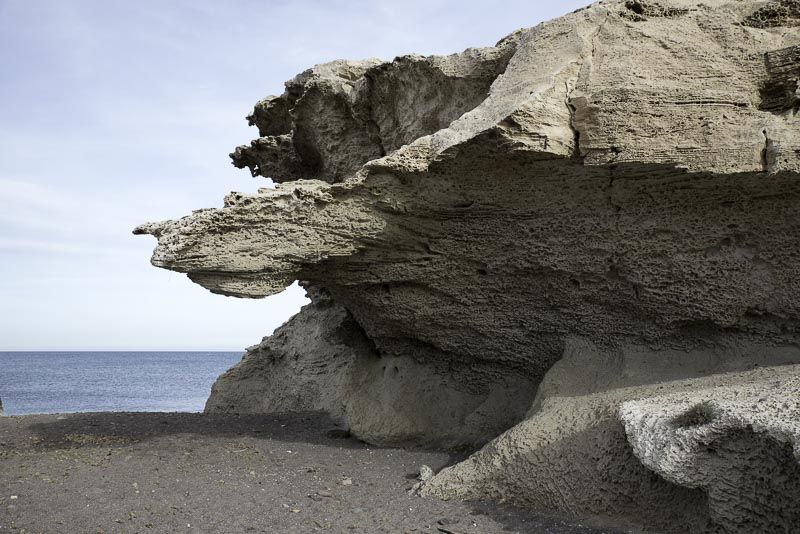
53, 382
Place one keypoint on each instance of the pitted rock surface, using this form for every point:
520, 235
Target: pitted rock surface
617, 189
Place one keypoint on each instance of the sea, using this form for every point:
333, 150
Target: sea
64, 382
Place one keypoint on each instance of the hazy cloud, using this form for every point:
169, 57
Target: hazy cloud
117, 112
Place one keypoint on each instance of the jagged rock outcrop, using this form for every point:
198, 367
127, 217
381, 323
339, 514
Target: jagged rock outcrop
617, 191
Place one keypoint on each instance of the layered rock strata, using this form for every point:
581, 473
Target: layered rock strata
617, 191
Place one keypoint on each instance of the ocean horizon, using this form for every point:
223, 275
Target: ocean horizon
39, 382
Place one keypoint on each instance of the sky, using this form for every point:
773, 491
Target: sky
114, 113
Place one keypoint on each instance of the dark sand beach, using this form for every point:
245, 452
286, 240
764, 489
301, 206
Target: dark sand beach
186, 472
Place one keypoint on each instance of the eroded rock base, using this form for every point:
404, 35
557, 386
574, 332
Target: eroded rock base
644, 456
322, 360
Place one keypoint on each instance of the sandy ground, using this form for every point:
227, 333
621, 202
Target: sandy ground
157, 472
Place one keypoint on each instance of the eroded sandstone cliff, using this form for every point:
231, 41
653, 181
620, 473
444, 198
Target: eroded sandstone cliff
617, 191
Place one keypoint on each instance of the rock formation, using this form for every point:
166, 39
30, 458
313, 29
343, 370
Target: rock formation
590, 231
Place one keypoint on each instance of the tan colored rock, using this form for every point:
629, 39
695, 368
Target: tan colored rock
617, 189
739, 443
303, 366
321, 360
619, 458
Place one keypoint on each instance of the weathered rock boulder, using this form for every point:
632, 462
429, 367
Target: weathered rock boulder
719, 453
617, 191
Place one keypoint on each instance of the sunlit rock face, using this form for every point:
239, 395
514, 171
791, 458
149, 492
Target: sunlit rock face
617, 190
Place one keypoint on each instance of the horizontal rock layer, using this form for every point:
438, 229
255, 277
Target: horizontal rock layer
617, 191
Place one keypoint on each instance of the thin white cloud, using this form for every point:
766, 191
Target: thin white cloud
46, 246
16, 191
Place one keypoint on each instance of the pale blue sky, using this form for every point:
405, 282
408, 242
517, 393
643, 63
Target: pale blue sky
114, 113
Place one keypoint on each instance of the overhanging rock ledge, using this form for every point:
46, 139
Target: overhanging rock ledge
564, 243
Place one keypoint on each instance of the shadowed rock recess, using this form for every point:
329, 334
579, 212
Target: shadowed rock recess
579, 249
